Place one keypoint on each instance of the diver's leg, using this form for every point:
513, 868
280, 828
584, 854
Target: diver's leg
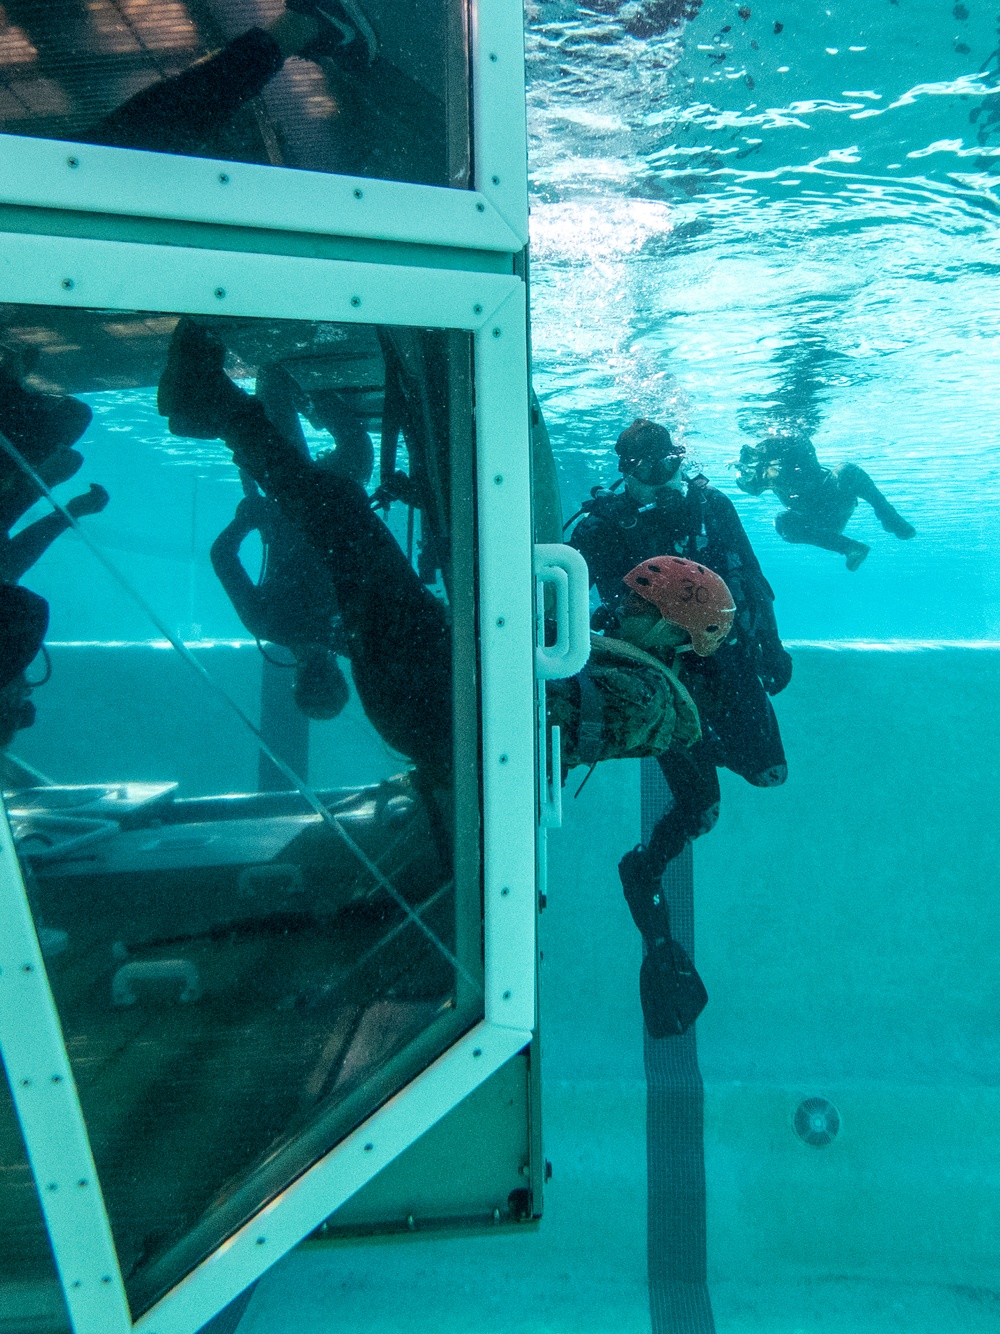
19, 493
800, 529
693, 810
865, 489
736, 707
178, 115
354, 456
671, 993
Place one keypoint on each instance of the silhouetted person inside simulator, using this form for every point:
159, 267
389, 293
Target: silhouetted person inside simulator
182, 114
24, 618
626, 702
293, 603
819, 501
43, 428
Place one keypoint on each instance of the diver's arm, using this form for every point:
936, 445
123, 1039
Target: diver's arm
31, 543
775, 667
596, 539
248, 601
21, 552
752, 483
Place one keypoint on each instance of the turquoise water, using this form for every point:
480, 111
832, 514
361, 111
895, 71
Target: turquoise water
737, 229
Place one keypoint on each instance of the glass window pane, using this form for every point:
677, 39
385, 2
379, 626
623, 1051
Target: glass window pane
31, 1300
374, 90
254, 877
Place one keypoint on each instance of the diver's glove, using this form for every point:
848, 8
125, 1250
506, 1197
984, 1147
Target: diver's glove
776, 671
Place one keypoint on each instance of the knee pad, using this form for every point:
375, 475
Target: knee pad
773, 777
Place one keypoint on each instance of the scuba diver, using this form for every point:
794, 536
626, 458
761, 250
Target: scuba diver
818, 501
627, 702
662, 510
182, 114
293, 603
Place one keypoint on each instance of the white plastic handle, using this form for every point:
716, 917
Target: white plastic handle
565, 570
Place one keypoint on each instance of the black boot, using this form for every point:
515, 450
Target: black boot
195, 394
671, 993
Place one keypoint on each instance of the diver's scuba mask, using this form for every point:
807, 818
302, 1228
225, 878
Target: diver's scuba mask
651, 470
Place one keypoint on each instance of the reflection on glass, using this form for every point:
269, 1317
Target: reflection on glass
31, 1300
251, 946
379, 89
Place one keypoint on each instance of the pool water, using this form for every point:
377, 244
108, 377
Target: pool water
739, 230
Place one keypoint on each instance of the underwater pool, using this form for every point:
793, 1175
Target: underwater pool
747, 221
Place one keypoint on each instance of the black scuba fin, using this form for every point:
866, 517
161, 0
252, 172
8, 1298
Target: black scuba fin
670, 990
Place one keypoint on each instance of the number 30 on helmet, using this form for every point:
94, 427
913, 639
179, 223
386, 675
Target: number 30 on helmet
688, 594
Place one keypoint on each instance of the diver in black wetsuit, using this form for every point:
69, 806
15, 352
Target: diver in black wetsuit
818, 501
662, 511
293, 602
43, 428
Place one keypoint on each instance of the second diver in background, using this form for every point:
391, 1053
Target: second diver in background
818, 500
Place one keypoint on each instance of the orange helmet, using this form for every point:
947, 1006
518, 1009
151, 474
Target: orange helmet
689, 595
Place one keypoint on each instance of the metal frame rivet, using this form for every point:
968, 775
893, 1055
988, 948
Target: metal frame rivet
506, 995
369, 1147
261, 1241
477, 1051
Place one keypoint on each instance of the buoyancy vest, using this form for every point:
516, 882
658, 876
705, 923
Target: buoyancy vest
625, 704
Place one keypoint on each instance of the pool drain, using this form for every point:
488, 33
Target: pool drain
817, 1122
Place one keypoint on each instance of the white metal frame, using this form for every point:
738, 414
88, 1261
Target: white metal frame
114, 275
46, 173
